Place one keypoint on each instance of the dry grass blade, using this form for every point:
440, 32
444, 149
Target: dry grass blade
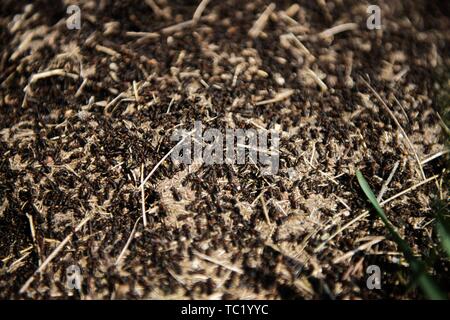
261, 22
127, 244
392, 115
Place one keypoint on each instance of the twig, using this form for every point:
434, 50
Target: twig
165, 157
301, 46
177, 27
261, 22
107, 50
33, 235
386, 183
52, 73
279, 97
266, 213
140, 34
212, 260
157, 10
384, 104
127, 244
135, 90
316, 78
437, 155
198, 12
54, 254
144, 216
403, 109
338, 29
362, 247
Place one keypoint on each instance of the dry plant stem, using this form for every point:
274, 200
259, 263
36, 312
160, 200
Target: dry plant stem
52, 73
384, 104
33, 235
261, 22
403, 109
107, 50
316, 78
266, 212
144, 217
338, 29
139, 34
198, 12
113, 101
178, 27
127, 244
54, 253
279, 97
219, 263
386, 183
156, 9
437, 155
165, 157
365, 213
362, 247
301, 46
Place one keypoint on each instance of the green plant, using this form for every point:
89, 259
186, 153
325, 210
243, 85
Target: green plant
417, 266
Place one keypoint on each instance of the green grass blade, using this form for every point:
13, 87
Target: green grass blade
443, 230
417, 266
445, 237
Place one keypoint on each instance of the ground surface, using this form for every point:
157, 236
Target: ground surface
72, 145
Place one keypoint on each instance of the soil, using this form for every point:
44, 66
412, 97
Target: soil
73, 144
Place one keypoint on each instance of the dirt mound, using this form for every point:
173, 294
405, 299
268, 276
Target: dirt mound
86, 114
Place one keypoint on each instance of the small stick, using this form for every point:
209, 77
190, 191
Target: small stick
301, 46
442, 123
17, 262
279, 97
178, 27
33, 235
386, 183
157, 10
338, 29
144, 216
135, 89
52, 73
384, 104
316, 78
408, 190
113, 101
165, 157
54, 254
198, 12
401, 107
362, 247
212, 260
140, 34
170, 104
127, 244
261, 22
107, 50
437, 155
266, 213
80, 89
